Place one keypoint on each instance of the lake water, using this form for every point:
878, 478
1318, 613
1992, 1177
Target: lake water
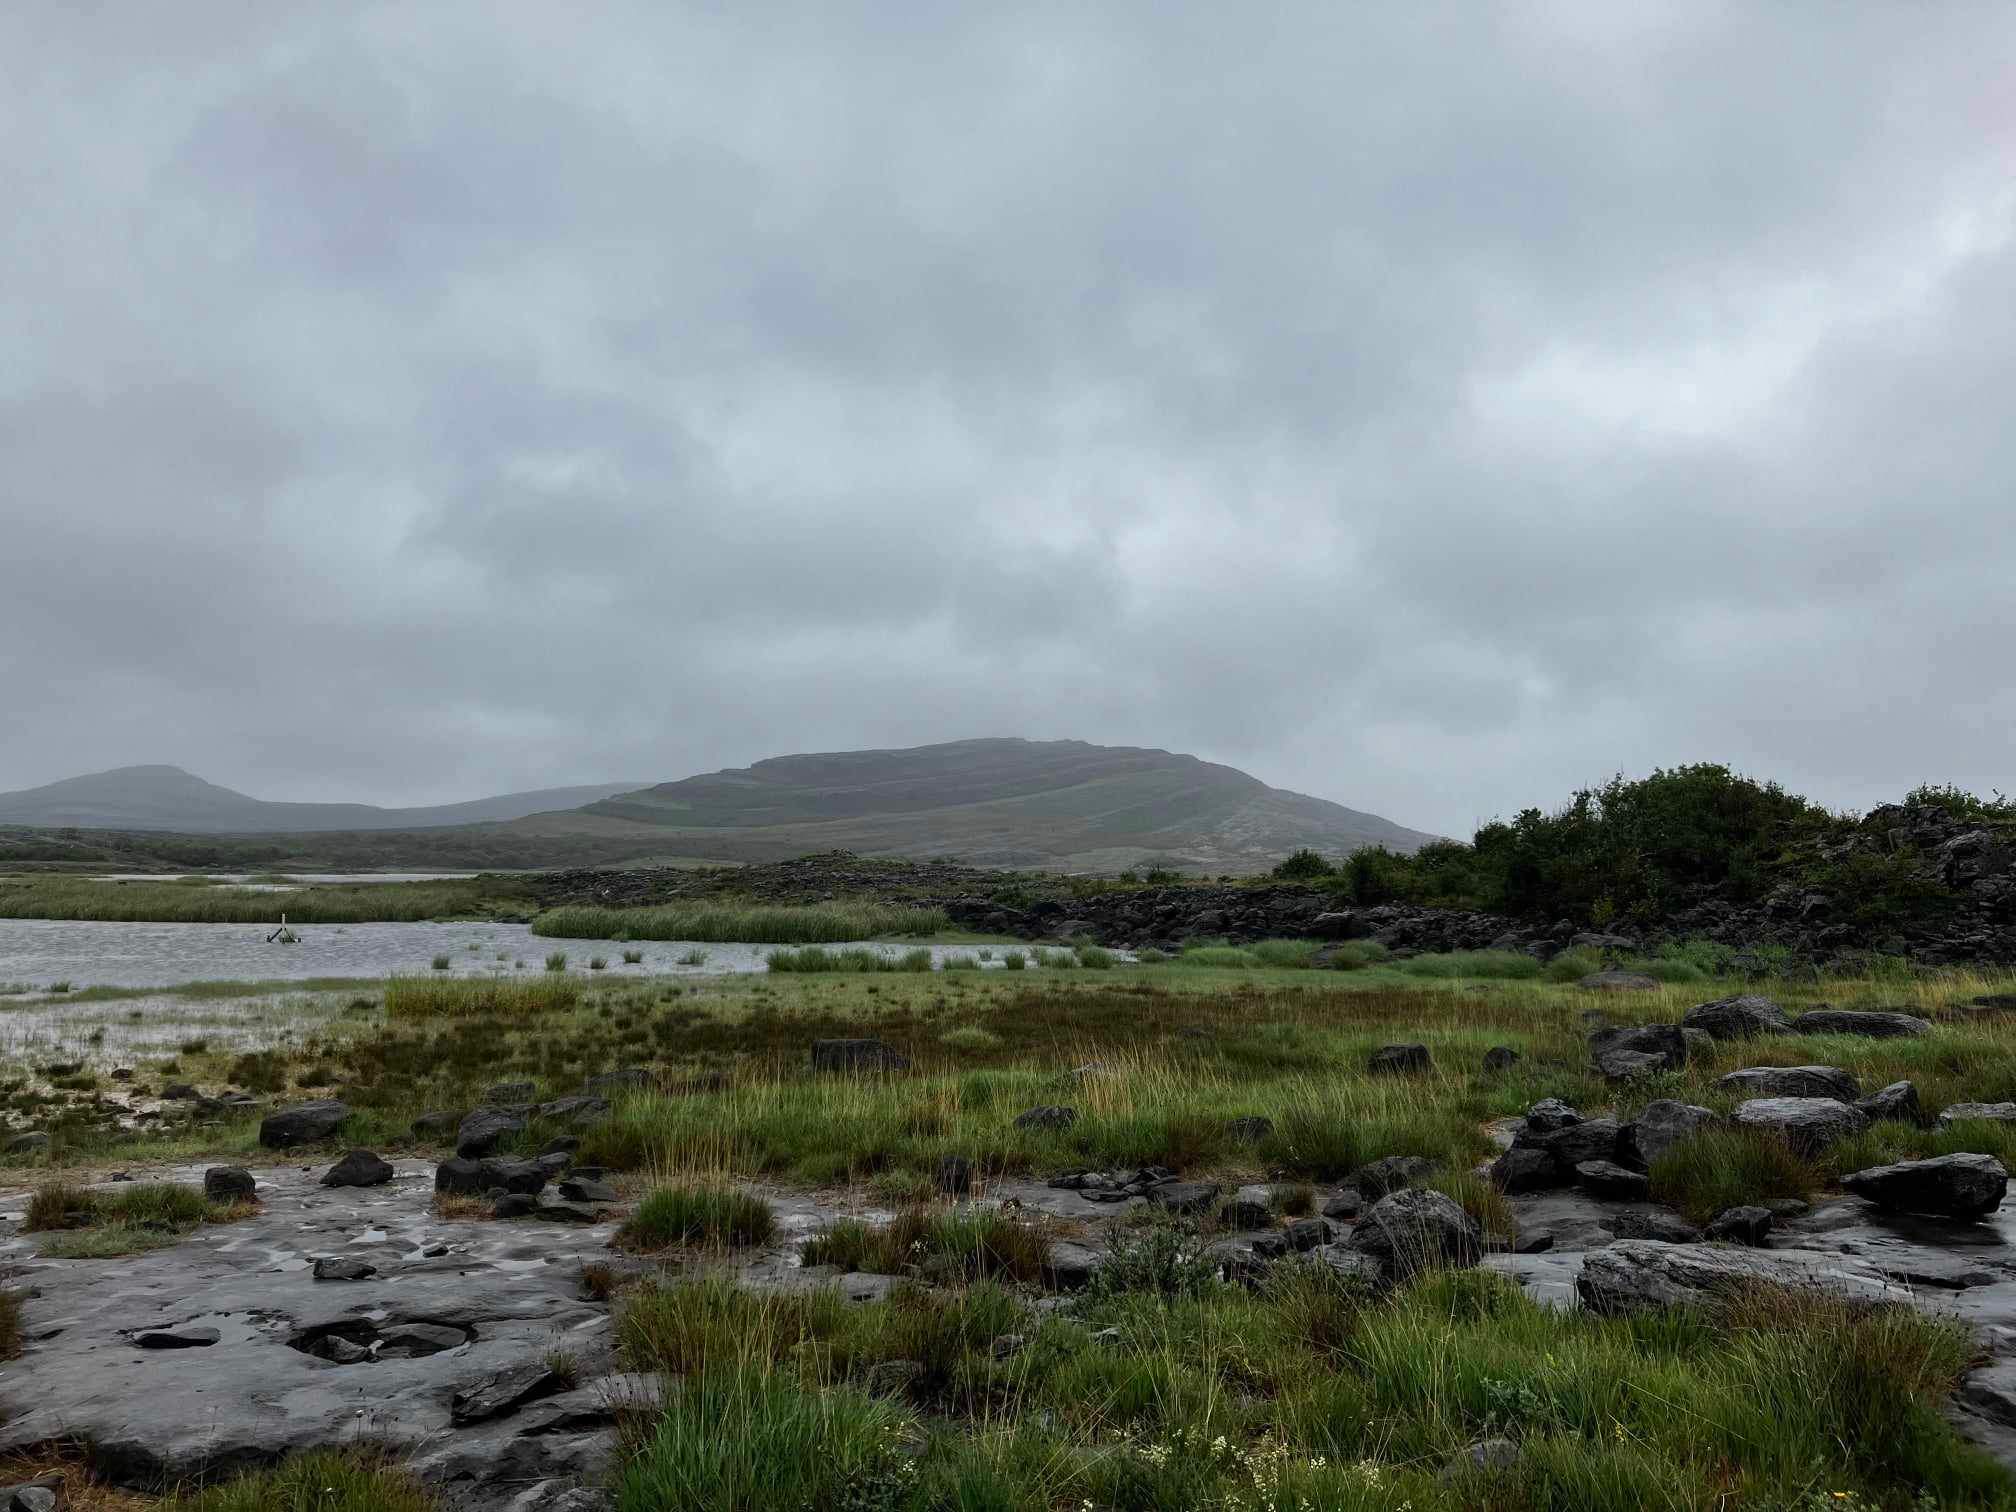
87, 953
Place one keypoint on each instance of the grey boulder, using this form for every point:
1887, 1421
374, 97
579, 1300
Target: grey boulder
1898, 1102
1974, 1112
1869, 1025
1639, 1275
359, 1168
1791, 1081
1660, 1126
1946, 1186
1737, 1017
304, 1123
485, 1128
1623, 1053
1808, 1124
1415, 1229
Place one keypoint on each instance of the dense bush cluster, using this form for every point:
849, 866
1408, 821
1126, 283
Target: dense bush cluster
1639, 850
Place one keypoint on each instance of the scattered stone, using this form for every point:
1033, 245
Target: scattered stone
504, 1393
486, 1128
1070, 1266
1185, 1197
1245, 1213
177, 1338
1533, 1242
1791, 1081
1974, 1112
1390, 1173
1734, 1018
1047, 1117
1416, 1228
1870, 1025
1785, 1209
32, 1143
1623, 1053
359, 1168
1660, 1126
1549, 1114
1526, 1170
1348, 1264
1306, 1234
515, 1205
1636, 1275
1592, 1139
1619, 981
1393, 1059
33, 1498
1500, 1058
1898, 1102
304, 1123
1249, 1129
582, 1189
1612, 1182
856, 1055
1809, 1124
475, 1177
180, 1092
1946, 1186
1741, 1225
867, 1286
343, 1268
1489, 1456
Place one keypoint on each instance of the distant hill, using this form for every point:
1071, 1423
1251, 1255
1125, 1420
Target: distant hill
1017, 803
168, 798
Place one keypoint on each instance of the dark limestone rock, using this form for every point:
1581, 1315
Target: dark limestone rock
856, 1055
485, 1128
1974, 1112
177, 1338
1306, 1234
1808, 1124
359, 1168
229, 1184
1536, 1241
343, 1268
1344, 1205
1527, 1170
1187, 1197
504, 1393
1500, 1058
1946, 1186
1733, 1018
1070, 1266
581, 1189
1395, 1059
1638, 1275
1245, 1213
1668, 1228
1049, 1117
1592, 1139
955, 1175
1741, 1225
304, 1123
1549, 1114
1623, 1053
1791, 1081
1390, 1173
1415, 1229
1660, 1126
1897, 1102
1612, 1182
1869, 1025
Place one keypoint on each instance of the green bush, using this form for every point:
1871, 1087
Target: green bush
1302, 865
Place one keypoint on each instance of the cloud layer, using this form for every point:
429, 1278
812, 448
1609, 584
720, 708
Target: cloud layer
1426, 407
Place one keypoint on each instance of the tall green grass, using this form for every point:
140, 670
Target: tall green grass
815, 958
755, 924
697, 1214
498, 999
322, 1480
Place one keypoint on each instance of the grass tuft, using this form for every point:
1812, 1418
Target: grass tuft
697, 1215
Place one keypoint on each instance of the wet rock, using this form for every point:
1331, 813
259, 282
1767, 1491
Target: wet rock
1549, 1114
1536, 1241
1250, 1129
486, 1128
1245, 1213
1898, 1101
359, 1168
1785, 1209
1808, 1124
1527, 1170
1500, 1058
1186, 1197
177, 1338
1791, 1081
1047, 1117
304, 1123
1390, 1173
1592, 1139
1070, 1266
1306, 1234
229, 1184
1669, 1228
1946, 1186
1624, 1053
1660, 1126
1395, 1059
1733, 1018
1414, 1229
1637, 1275
504, 1393
1870, 1025
343, 1268
1741, 1225
1354, 1265
32, 1143
1611, 1182
476, 1177
1619, 981
582, 1189
1972, 1112
515, 1205
1345, 1204
856, 1055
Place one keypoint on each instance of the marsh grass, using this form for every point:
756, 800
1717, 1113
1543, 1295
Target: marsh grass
1724, 1168
65, 897
759, 924
857, 958
87, 1224
322, 1480
496, 999
697, 1214
971, 1244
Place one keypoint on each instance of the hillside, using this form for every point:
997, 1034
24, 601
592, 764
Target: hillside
168, 798
1000, 802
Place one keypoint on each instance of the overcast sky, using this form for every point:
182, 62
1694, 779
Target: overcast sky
1429, 408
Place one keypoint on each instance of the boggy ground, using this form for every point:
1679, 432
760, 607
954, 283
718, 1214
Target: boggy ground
978, 1372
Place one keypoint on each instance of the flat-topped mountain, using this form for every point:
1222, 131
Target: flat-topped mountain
168, 798
999, 802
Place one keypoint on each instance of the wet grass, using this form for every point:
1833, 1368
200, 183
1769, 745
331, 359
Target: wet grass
760, 924
968, 1245
322, 1481
96, 1224
62, 897
697, 1215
